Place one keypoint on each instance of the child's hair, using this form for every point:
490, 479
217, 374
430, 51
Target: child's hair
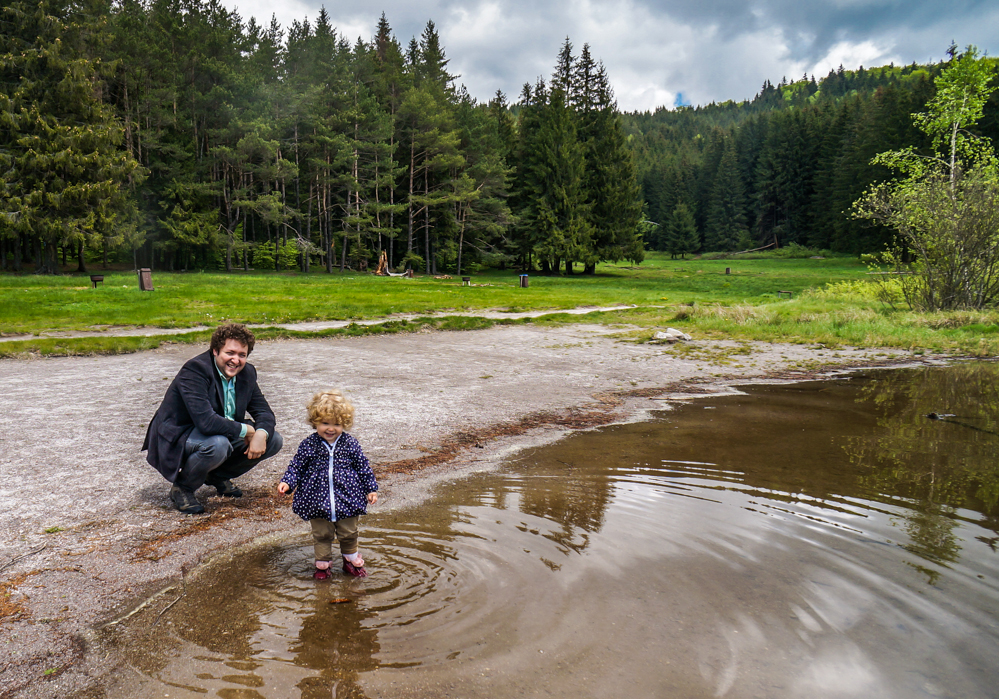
331, 406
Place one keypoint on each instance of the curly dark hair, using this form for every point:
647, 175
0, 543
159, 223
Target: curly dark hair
232, 331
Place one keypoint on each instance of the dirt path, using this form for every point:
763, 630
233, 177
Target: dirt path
314, 326
86, 530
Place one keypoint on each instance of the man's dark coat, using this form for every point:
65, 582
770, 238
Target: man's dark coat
196, 399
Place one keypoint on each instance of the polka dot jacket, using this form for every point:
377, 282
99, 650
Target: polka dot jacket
309, 478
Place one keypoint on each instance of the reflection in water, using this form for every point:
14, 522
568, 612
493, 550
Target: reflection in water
934, 427
818, 540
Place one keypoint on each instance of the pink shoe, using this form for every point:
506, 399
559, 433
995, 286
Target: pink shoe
321, 574
350, 569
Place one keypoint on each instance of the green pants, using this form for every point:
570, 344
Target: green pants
325, 532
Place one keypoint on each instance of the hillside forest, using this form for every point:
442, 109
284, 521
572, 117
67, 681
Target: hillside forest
176, 134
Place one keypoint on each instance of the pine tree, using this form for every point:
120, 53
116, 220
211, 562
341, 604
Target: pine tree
481, 184
558, 210
681, 236
66, 175
726, 221
430, 144
610, 182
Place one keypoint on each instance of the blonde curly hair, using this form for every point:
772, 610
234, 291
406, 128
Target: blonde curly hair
331, 406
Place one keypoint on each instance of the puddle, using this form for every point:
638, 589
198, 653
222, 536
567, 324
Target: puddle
825, 539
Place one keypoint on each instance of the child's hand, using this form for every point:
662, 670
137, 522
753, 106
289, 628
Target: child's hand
283, 488
372, 498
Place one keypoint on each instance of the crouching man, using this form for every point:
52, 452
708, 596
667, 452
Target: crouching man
200, 434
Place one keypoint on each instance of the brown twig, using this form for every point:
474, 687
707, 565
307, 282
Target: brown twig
167, 608
23, 555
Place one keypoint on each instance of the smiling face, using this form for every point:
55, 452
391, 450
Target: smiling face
328, 430
231, 358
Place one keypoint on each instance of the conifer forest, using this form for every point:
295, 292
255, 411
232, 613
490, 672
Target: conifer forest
176, 134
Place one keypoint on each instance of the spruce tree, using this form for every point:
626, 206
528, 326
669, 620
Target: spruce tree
681, 236
65, 173
560, 215
725, 226
610, 182
481, 183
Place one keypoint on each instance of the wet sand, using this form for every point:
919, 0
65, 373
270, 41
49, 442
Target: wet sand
87, 532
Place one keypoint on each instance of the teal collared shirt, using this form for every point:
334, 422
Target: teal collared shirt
229, 400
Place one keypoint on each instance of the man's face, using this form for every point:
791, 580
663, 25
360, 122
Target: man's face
231, 358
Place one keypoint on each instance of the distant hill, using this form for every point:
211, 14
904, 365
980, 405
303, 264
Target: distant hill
786, 165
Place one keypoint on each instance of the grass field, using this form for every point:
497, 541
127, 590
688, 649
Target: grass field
690, 294
34, 304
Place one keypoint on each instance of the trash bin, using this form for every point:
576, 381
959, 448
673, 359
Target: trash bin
523, 281
145, 279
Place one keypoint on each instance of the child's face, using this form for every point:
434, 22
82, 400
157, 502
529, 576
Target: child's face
328, 430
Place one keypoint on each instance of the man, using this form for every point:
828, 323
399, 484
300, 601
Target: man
198, 435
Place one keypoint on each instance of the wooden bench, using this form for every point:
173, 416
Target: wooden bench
781, 293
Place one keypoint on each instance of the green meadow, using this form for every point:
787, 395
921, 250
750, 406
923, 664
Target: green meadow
832, 302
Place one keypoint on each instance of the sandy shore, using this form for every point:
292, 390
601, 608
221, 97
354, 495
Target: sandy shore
87, 532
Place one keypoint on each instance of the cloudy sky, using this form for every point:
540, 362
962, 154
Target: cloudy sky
664, 52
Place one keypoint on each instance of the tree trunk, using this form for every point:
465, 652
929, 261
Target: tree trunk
246, 263
590, 268
81, 266
308, 235
426, 222
409, 227
391, 203
331, 243
48, 260
461, 241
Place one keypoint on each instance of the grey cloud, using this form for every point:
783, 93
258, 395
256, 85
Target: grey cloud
711, 51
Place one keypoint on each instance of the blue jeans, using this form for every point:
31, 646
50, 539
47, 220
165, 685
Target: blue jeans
214, 458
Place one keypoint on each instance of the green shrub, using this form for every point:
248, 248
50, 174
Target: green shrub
263, 256
287, 255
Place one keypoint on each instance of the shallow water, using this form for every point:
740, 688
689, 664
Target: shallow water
825, 539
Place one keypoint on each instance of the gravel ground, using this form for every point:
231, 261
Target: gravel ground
86, 528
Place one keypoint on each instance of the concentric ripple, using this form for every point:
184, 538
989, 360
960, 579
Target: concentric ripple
776, 545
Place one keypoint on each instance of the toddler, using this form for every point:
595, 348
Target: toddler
332, 482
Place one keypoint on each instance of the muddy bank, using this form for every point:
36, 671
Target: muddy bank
87, 531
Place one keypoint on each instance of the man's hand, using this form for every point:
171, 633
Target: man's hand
249, 434
257, 445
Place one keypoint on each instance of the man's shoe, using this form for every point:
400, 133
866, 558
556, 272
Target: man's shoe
225, 489
185, 501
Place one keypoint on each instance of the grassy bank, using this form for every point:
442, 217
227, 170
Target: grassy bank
829, 304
